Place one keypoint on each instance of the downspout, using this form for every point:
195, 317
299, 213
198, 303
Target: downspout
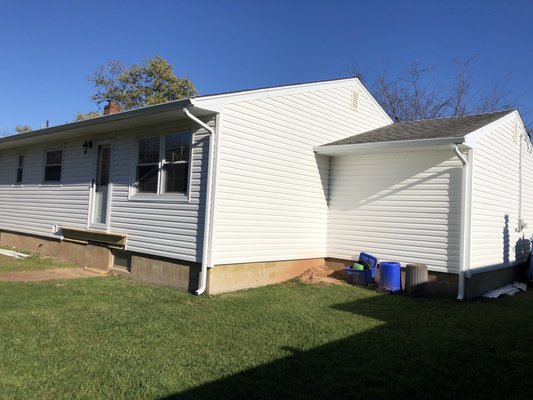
216, 161
464, 263
207, 217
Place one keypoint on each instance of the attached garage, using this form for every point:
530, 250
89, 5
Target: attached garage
449, 193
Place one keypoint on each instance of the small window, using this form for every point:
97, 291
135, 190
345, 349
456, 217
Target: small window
163, 164
52, 169
20, 169
176, 163
148, 165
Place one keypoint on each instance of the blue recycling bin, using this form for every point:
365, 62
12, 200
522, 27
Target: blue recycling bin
362, 277
390, 277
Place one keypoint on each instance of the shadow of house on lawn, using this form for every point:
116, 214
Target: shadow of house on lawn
424, 348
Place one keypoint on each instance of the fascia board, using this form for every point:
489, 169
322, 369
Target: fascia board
209, 101
373, 100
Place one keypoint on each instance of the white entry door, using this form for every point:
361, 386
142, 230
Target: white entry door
100, 188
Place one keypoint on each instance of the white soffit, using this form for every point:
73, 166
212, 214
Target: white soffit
389, 147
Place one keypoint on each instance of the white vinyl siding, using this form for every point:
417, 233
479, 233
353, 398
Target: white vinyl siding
164, 227
402, 207
271, 193
35, 208
502, 188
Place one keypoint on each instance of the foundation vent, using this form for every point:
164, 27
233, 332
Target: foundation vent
121, 259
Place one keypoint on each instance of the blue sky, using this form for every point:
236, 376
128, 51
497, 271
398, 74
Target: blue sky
49, 48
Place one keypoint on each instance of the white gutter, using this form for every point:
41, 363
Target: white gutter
466, 205
207, 218
89, 126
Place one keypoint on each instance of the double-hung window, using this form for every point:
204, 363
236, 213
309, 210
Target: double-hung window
163, 164
148, 165
52, 168
175, 174
20, 170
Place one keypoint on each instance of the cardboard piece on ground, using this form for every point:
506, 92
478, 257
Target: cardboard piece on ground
510, 290
14, 254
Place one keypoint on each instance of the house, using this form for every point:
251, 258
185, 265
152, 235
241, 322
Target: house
235, 190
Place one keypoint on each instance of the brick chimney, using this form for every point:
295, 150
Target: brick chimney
111, 107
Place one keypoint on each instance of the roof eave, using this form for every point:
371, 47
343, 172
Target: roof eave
112, 122
105, 119
376, 147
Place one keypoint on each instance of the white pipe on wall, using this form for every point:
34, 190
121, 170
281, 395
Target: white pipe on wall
465, 201
207, 217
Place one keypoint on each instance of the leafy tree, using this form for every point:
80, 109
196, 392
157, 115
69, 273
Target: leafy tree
149, 83
23, 128
87, 115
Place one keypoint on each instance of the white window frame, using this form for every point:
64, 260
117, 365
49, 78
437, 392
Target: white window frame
53, 183
159, 195
18, 184
157, 164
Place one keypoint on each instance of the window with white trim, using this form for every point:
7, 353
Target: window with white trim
163, 164
20, 170
53, 166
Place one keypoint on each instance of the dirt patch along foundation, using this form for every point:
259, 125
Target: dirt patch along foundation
321, 274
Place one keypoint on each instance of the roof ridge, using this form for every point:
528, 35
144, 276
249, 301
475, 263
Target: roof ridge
507, 110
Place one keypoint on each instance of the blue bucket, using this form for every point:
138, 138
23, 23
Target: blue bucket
390, 277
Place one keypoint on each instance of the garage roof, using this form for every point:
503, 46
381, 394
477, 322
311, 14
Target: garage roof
452, 127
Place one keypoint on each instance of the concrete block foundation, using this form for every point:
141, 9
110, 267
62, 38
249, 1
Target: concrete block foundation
165, 272
228, 278
480, 283
85, 255
232, 277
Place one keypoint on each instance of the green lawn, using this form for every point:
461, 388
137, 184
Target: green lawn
34, 262
111, 338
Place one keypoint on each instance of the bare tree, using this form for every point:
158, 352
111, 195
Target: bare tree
496, 98
415, 94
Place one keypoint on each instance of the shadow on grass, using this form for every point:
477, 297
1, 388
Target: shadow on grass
435, 348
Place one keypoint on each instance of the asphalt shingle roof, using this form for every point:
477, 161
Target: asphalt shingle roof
425, 129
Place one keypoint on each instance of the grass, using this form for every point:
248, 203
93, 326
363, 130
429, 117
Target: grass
35, 262
114, 338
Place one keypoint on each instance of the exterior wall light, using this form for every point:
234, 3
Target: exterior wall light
87, 145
